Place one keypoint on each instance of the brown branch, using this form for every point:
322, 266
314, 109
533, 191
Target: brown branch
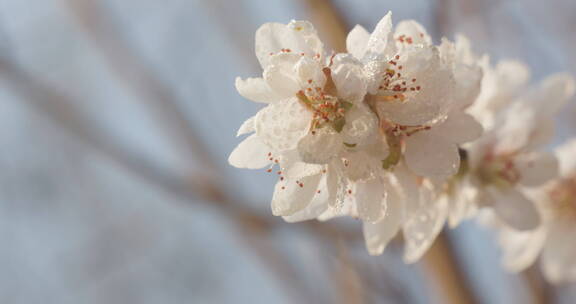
331, 25
445, 274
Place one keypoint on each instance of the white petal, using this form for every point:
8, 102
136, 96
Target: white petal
413, 30
520, 248
435, 99
319, 203
280, 75
370, 199
463, 204
246, 127
298, 36
377, 235
536, 168
565, 154
282, 124
559, 255
356, 41
320, 147
291, 196
423, 224
514, 208
251, 154
361, 126
459, 128
310, 73
381, 42
256, 89
348, 76
431, 156
552, 94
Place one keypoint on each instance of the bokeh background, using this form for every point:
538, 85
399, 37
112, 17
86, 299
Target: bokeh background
116, 121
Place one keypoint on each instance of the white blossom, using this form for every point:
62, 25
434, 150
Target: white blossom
554, 239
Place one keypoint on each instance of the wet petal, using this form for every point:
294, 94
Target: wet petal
246, 127
256, 89
413, 30
431, 156
291, 196
282, 124
319, 204
298, 37
423, 224
356, 41
378, 234
320, 147
348, 76
370, 199
281, 76
459, 128
380, 43
251, 153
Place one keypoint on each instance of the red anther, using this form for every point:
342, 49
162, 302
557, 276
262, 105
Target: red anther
397, 57
399, 67
301, 54
283, 188
269, 170
309, 80
281, 178
279, 172
269, 153
349, 191
413, 79
301, 185
318, 191
418, 88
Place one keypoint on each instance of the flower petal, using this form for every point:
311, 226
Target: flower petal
348, 76
246, 127
378, 234
514, 208
558, 257
565, 154
536, 168
370, 200
356, 41
251, 153
282, 124
435, 99
520, 248
320, 147
424, 221
297, 36
431, 156
380, 43
280, 75
291, 196
459, 128
319, 204
256, 89
414, 30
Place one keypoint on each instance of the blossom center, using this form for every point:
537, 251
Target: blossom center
327, 109
563, 199
395, 86
499, 170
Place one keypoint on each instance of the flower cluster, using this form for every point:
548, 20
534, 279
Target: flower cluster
401, 133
